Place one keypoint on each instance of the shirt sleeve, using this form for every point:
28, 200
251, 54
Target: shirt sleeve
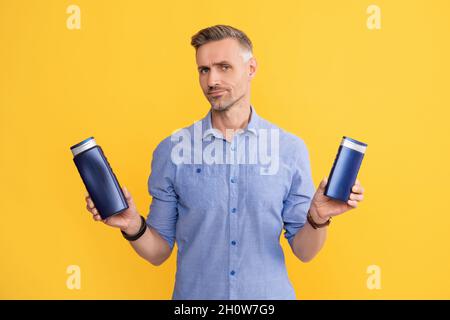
163, 213
301, 192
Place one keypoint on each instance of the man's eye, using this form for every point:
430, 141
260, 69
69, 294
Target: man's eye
225, 67
203, 70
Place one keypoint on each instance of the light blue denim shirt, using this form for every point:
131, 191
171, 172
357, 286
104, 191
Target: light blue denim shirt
226, 211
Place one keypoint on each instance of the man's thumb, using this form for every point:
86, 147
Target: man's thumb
126, 193
323, 183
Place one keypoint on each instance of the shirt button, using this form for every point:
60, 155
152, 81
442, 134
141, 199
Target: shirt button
233, 148
199, 170
233, 243
233, 180
232, 272
233, 210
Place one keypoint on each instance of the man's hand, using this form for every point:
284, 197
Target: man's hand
128, 221
323, 207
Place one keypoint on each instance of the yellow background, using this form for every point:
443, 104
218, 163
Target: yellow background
129, 78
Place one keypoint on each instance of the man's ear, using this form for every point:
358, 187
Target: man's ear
253, 66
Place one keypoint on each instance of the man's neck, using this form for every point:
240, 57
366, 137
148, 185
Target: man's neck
229, 121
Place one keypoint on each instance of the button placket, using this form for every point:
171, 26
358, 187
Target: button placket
233, 205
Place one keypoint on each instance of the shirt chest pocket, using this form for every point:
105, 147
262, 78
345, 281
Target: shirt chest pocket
264, 190
201, 186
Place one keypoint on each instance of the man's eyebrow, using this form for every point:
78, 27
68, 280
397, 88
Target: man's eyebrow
220, 63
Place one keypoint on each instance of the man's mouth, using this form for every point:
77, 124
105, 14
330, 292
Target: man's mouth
216, 93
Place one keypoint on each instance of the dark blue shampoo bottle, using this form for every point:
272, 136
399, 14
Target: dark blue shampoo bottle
98, 177
345, 169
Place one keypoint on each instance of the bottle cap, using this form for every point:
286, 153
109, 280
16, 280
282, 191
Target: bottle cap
354, 144
83, 146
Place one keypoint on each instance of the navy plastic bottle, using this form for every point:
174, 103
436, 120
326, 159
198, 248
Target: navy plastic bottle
345, 169
98, 177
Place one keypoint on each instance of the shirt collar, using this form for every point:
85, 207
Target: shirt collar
252, 126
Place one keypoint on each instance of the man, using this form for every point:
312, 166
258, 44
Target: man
227, 216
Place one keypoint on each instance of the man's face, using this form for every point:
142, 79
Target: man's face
224, 74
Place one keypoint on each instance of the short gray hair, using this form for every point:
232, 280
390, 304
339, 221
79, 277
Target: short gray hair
220, 32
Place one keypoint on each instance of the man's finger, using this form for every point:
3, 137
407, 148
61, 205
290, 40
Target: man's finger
357, 189
352, 203
356, 196
90, 203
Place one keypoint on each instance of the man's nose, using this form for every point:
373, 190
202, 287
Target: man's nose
213, 79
